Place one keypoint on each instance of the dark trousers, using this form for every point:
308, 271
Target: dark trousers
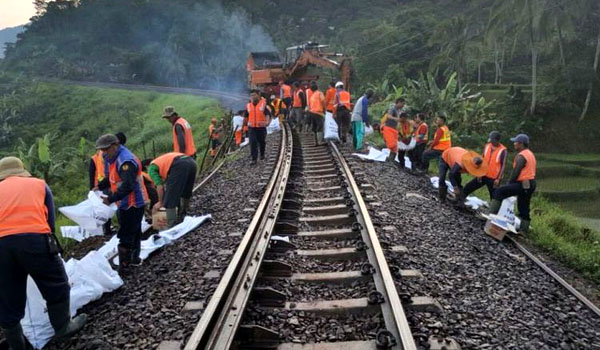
416, 156
523, 196
28, 255
130, 228
476, 184
428, 156
443, 170
288, 106
317, 122
180, 182
257, 140
343, 121
401, 160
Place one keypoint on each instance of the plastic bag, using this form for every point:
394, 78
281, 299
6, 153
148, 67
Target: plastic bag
368, 130
330, 128
404, 147
90, 214
273, 126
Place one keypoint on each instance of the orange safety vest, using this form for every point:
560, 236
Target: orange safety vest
422, 129
189, 139
211, 131
99, 163
330, 99
316, 103
22, 208
453, 155
287, 90
404, 130
278, 105
528, 172
164, 163
344, 99
445, 141
256, 114
297, 99
493, 159
308, 94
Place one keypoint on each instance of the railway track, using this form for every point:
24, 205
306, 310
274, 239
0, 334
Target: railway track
310, 268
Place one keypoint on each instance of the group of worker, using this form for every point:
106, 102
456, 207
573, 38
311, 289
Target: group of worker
309, 106
28, 246
487, 169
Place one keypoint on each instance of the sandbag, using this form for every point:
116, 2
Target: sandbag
330, 129
368, 130
273, 126
507, 211
404, 147
90, 214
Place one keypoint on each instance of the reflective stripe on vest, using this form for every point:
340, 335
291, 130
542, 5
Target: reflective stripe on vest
22, 208
422, 129
453, 155
528, 172
136, 198
404, 130
190, 147
344, 99
287, 90
164, 163
297, 99
256, 114
445, 141
316, 103
493, 159
99, 164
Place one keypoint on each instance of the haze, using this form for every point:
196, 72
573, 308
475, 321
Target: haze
15, 12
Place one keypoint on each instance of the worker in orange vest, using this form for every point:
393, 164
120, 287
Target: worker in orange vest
421, 135
330, 97
285, 95
521, 183
458, 160
123, 178
174, 175
342, 108
442, 140
389, 128
494, 154
28, 247
237, 123
307, 120
183, 141
214, 131
96, 175
405, 135
316, 109
279, 108
258, 119
298, 105
150, 186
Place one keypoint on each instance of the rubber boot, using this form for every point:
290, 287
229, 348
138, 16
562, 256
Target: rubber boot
320, 138
135, 259
185, 208
15, 338
524, 227
124, 258
495, 206
442, 193
392, 157
171, 217
460, 198
60, 319
316, 140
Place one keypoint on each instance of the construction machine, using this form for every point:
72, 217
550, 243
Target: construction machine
266, 69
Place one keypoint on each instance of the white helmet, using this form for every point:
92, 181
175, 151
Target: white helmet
339, 84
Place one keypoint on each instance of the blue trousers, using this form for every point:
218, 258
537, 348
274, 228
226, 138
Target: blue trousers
28, 255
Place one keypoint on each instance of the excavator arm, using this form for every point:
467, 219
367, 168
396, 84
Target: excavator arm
309, 58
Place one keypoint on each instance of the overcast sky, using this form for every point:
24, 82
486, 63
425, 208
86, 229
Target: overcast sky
15, 12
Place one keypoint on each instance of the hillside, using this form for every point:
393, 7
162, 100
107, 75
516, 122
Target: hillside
8, 35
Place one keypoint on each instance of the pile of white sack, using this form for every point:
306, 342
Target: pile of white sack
93, 275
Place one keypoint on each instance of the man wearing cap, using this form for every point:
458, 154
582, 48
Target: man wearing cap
458, 160
521, 183
494, 155
183, 140
342, 108
174, 175
124, 179
29, 248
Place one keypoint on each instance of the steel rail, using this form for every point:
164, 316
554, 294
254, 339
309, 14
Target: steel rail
556, 277
392, 310
219, 322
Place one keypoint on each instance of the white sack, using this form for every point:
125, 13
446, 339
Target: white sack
374, 154
90, 214
273, 126
79, 233
404, 147
330, 128
368, 130
246, 142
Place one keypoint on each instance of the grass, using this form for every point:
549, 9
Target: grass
572, 183
593, 157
